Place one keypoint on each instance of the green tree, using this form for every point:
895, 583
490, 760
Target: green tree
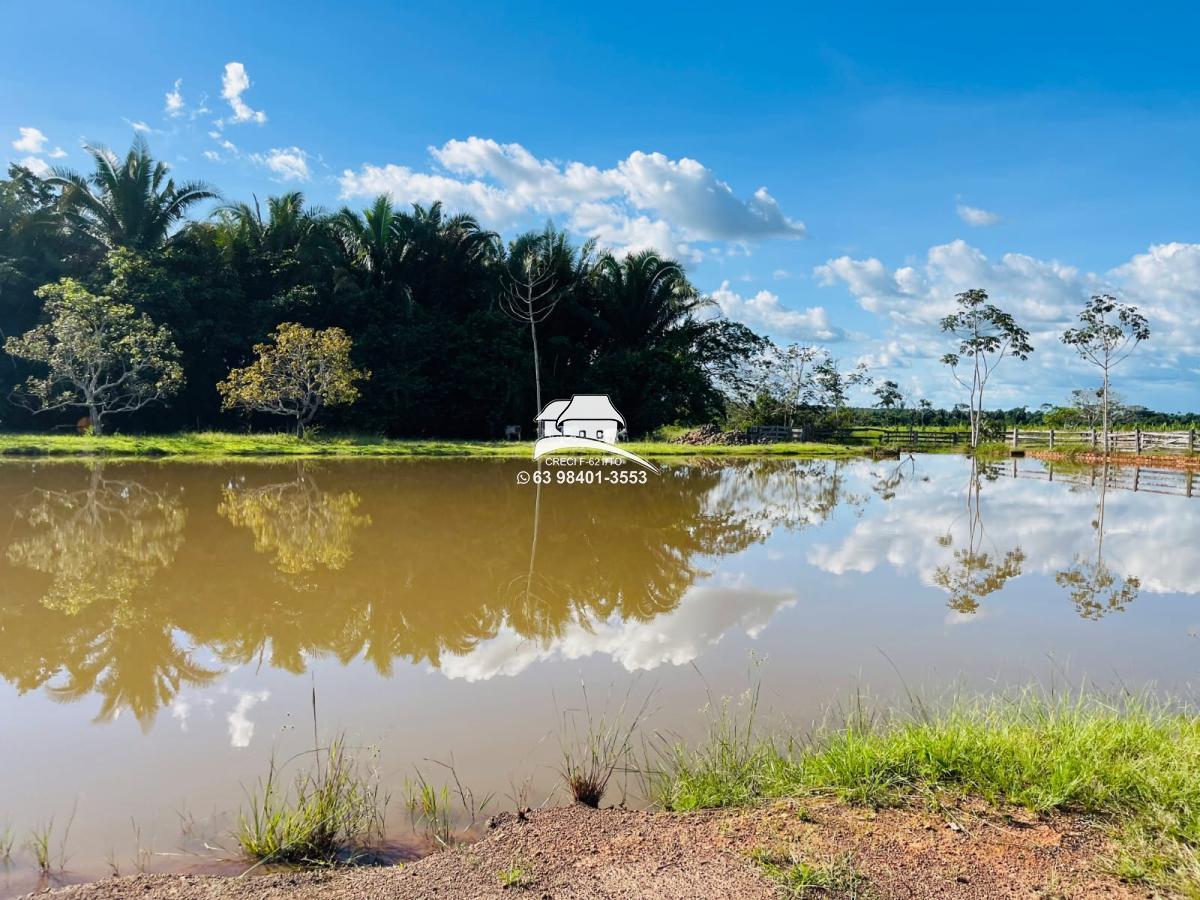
986, 335
102, 355
888, 395
127, 203
1109, 332
297, 373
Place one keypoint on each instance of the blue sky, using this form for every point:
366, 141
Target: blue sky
830, 176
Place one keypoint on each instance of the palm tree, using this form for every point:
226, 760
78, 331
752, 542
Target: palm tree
132, 203
287, 227
643, 297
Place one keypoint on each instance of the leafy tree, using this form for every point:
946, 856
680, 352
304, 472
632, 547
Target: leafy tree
924, 408
986, 335
1109, 332
833, 384
130, 203
102, 355
888, 395
296, 374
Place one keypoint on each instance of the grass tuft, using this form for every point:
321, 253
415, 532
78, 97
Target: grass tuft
591, 752
1130, 760
515, 875
798, 877
330, 816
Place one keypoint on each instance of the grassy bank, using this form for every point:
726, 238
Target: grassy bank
217, 445
1131, 762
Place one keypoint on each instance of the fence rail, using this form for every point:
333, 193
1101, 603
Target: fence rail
1144, 479
897, 437
1134, 441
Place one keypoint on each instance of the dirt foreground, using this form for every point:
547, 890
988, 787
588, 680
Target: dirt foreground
575, 852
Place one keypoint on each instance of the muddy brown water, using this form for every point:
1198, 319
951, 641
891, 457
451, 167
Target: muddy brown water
163, 626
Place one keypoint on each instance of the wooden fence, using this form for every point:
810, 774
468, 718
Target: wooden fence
905, 438
1178, 482
1134, 441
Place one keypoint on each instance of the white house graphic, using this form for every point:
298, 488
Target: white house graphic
585, 422
584, 415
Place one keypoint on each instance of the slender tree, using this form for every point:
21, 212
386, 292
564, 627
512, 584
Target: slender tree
531, 292
888, 395
1109, 332
102, 356
986, 335
127, 203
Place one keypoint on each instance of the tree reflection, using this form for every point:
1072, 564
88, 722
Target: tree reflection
97, 628
99, 543
295, 522
975, 572
1094, 588
447, 564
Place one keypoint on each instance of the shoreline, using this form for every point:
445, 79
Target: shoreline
222, 446
961, 849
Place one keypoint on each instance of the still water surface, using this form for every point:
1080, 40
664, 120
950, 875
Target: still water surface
162, 626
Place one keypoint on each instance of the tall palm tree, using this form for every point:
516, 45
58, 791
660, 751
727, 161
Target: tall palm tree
642, 298
127, 203
408, 254
288, 226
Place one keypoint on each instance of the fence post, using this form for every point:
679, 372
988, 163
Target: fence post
1191, 441
1137, 436
1051, 438
1093, 438
1016, 436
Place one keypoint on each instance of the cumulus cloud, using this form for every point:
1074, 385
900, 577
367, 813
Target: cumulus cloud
234, 83
976, 217
646, 199
765, 313
35, 165
288, 163
1045, 296
704, 615
31, 140
173, 100
241, 728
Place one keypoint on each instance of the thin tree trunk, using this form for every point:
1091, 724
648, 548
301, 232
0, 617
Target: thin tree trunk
94, 416
537, 372
1105, 410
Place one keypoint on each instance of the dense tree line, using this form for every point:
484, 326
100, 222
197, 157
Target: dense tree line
420, 293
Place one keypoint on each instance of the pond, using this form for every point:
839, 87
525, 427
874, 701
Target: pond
164, 627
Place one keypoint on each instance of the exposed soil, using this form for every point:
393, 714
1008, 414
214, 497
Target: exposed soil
964, 852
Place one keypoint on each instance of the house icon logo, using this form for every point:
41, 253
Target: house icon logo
585, 422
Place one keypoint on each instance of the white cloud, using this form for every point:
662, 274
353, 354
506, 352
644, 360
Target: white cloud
57, 153
241, 729
781, 274
212, 155
234, 83
646, 199
139, 126
764, 312
1045, 297
31, 140
35, 165
976, 217
173, 100
288, 163
703, 617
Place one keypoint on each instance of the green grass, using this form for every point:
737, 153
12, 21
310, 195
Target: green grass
515, 875
1132, 762
330, 815
222, 445
799, 877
